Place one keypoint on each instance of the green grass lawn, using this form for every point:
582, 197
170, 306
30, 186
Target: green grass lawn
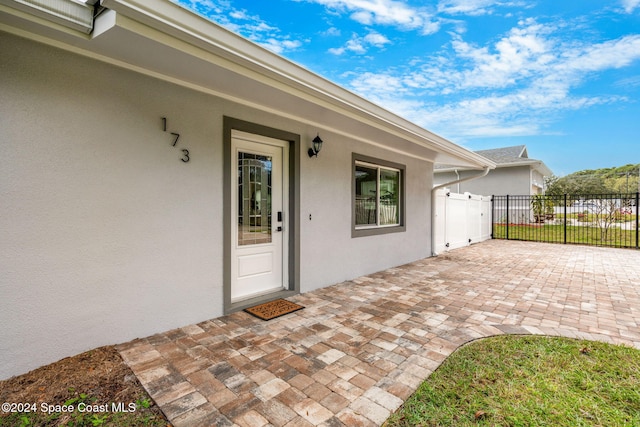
575, 234
529, 381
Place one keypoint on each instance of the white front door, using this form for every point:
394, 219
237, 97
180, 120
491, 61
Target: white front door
259, 243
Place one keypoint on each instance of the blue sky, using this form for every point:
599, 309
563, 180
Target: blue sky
561, 76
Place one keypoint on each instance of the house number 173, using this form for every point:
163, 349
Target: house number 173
176, 136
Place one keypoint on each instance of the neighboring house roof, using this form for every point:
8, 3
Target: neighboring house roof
166, 41
506, 155
516, 155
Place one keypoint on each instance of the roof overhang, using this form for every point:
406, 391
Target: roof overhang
168, 42
537, 165
543, 169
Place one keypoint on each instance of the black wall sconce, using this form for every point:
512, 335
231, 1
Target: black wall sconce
317, 146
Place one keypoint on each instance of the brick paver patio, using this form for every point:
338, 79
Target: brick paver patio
361, 347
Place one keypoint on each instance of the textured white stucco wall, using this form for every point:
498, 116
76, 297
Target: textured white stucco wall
329, 253
499, 182
106, 235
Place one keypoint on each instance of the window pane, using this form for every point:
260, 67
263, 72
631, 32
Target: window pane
254, 199
366, 195
389, 197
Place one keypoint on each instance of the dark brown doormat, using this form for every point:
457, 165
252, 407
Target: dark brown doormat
272, 309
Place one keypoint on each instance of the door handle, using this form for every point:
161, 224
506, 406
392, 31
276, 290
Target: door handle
279, 216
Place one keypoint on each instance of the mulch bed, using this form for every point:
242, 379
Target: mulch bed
100, 374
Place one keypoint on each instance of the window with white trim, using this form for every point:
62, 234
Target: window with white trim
378, 195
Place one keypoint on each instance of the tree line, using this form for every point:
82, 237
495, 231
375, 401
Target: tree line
616, 180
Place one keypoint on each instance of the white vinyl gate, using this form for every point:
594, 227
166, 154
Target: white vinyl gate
461, 220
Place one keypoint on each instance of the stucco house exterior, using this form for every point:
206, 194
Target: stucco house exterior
515, 174
154, 173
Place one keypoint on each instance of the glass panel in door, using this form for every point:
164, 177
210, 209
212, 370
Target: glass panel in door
254, 199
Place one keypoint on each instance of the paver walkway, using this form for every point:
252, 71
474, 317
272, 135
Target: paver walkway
361, 347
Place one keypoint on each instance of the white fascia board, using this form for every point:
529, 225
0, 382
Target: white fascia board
524, 162
273, 69
535, 164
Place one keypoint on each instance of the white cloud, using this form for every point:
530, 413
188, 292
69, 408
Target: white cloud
360, 45
633, 81
474, 7
469, 7
333, 31
509, 87
376, 39
523, 51
207, 7
378, 85
630, 5
611, 54
279, 46
239, 14
241, 22
384, 12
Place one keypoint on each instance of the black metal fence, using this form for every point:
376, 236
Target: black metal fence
591, 219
